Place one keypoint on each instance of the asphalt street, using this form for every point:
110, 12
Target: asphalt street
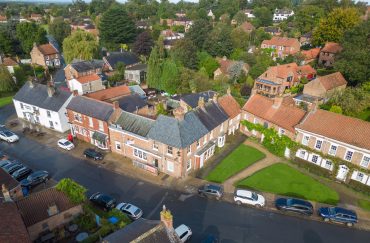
229, 222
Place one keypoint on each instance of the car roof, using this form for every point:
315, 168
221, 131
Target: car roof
243, 193
181, 229
63, 140
300, 202
345, 211
213, 186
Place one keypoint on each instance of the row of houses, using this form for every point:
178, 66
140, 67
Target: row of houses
328, 133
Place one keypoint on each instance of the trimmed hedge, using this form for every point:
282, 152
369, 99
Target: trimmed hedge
358, 186
312, 168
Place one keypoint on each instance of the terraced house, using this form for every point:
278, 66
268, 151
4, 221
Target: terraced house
175, 145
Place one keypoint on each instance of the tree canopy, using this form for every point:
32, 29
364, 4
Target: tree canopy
218, 42
143, 44
80, 45
199, 31
74, 191
154, 68
116, 27
29, 33
59, 29
6, 81
184, 52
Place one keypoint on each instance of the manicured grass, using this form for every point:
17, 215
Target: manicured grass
364, 204
242, 157
5, 101
284, 180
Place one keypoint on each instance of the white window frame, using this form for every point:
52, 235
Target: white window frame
188, 150
321, 143
170, 166
140, 154
281, 131
198, 144
168, 149
205, 140
188, 165
303, 140
91, 123
315, 156
345, 155
101, 126
255, 121
360, 176
363, 161
118, 145
330, 149
328, 164
77, 117
48, 114
155, 146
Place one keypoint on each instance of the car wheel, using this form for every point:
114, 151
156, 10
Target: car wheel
349, 224
326, 219
258, 206
95, 159
238, 202
85, 155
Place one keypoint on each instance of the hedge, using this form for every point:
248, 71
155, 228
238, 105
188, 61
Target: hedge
360, 187
312, 168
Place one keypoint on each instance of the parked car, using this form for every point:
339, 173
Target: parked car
294, 205
21, 173
12, 167
103, 200
35, 178
4, 163
211, 190
92, 153
65, 144
8, 136
339, 215
184, 232
248, 197
130, 210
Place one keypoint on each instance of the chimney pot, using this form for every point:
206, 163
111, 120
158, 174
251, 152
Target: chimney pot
51, 89
115, 105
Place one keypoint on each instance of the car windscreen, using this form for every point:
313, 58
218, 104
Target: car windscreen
137, 211
66, 143
8, 134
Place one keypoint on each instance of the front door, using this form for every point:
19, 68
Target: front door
201, 159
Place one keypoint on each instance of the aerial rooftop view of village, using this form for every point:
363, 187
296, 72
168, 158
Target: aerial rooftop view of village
171, 121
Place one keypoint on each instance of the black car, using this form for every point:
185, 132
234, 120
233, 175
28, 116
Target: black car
294, 205
21, 173
12, 167
92, 153
104, 201
211, 190
35, 178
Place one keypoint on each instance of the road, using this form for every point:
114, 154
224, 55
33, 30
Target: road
229, 222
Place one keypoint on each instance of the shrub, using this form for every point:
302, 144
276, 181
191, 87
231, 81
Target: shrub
358, 186
312, 168
74, 191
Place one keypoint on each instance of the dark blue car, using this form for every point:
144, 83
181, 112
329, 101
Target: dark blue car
294, 205
339, 215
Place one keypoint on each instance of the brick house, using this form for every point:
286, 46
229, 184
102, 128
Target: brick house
11, 185
233, 110
111, 94
328, 53
129, 59
275, 80
344, 137
172, 145
45, 55
89, 120
271, 113
86, 84
282, 46
310, 55
36, 17
3, 19
78, 69
46, 210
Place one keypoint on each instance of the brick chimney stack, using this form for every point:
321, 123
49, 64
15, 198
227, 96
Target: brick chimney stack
167, 218
115, 105
215, 97
6, 194
179, 113
51, 89
201, 102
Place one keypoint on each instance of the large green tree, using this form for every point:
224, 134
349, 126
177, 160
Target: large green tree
240, 38
116, 27
143, 44
199, 31
332, 27
218, 42
307, 17
74, 191
6, 81
207, 62
354, 61
59, 29
80, 45
263, 17
169, 79
29, 33
154, 69
6, 46
184, 53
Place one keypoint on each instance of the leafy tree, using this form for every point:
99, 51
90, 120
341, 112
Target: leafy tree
240, 17
81, 45
218, 42
334, 25
239, 38
6, 46
307, 17
352, 100
184, 53
354, 61
116, 27
336, 109
154, 69
59, 29
207, 62
199, 31
143, 44
97, 7
235, 71
263, 61
259, 35
6, 81
263, 17
74, 191
169, 78
201, 81
119, 73
160, 109
165, 9
29, 33
186, 85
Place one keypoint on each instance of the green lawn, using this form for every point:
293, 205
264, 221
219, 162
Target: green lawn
242, 157
284, 180
364, 204
5, 101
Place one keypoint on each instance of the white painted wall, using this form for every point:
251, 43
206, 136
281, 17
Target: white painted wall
73, 84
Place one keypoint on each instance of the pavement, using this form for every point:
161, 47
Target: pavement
227, 221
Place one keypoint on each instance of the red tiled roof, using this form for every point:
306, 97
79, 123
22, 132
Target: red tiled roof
34, 208
88, 78
229, 105
332, 81
36, 15
47, 49
275, 73
332, 47
8, 61
111, 93
12, 228
247, 27
283, 116
311, 54
306, 69
281, 41
3, 18
338, 127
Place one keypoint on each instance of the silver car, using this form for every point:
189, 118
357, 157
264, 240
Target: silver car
130, 210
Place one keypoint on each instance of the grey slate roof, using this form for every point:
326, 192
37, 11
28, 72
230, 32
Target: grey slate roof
175, 133
134, 123
141, 67
136, 89
143, 231
192, 99
90, 107
128, 58
131, 103
84, 66
212, 115
38, 96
